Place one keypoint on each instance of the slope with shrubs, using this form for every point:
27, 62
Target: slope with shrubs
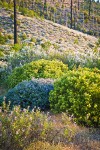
30, 28
44, 39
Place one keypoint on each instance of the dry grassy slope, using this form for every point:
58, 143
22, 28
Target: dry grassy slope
43, 29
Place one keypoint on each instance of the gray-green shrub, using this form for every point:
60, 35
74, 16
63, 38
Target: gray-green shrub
34, 93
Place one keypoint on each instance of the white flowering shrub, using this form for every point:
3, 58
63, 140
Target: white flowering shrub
88, 58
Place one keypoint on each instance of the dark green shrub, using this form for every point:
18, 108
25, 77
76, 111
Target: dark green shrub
24, 36
24, 11
3, 39
12, 16
98, 42
10, 36
18, 22
31, 13
78, 92
38, 69
0, 4
17, 47
5, 4
1, 54
95, 63
33, 39
34, 93
46, 45
27, 12
1, 100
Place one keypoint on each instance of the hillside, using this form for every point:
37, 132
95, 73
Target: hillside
81, 15
60, 39
45, 29
51, 81
85, 13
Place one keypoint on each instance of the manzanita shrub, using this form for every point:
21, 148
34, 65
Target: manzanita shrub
32, 94
38, 69
78, 93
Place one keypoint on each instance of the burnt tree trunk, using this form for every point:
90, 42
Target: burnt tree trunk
78, 4
71, 11
89, 7
15, 23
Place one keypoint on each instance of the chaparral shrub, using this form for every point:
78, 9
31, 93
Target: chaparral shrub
78, 93
3, 38
34, 93
34, 130
38, 69
18, 128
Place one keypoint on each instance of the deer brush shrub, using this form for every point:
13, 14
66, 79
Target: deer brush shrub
18, 128
78, 92
33, 130
38, 69
34, 93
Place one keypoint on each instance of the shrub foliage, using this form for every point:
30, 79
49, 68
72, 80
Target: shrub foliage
78, 92
34, 93
38, 69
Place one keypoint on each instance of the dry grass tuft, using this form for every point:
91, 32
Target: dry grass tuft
46, 146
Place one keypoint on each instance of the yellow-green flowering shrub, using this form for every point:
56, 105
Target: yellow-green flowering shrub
78, 92
38, 69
